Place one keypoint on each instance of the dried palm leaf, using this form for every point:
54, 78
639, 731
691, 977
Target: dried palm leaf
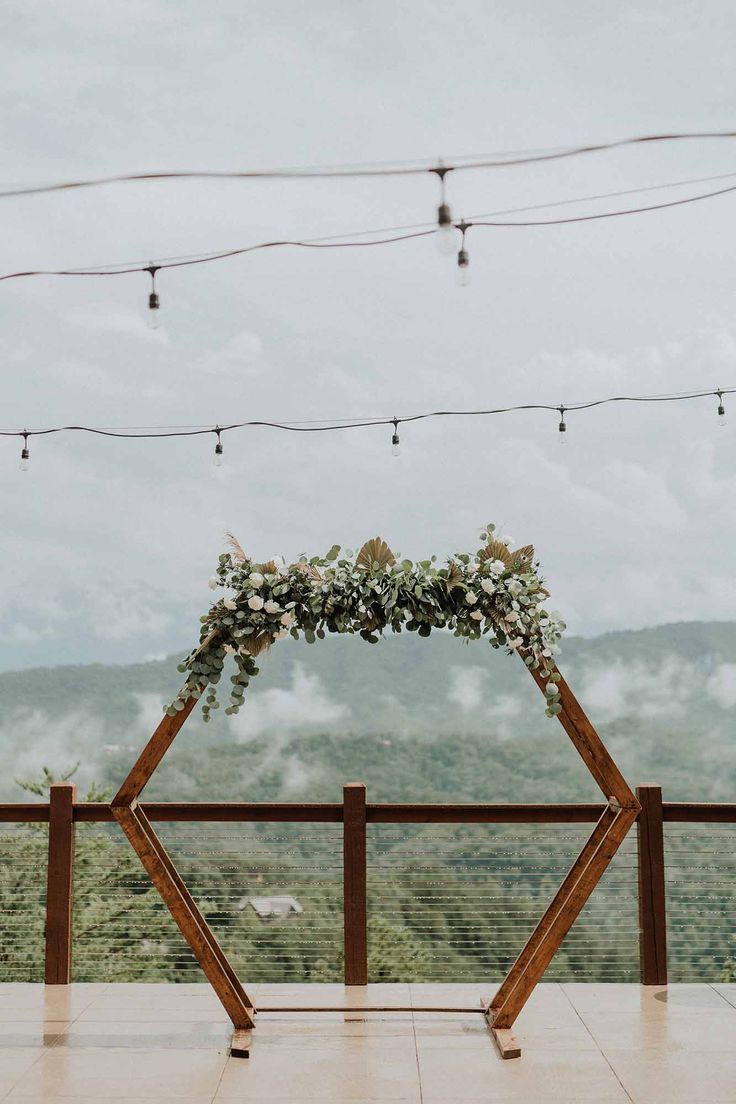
256, 644
523, 557
309, 570
236, 549
495, 550
454, 575
375, 555
269, 568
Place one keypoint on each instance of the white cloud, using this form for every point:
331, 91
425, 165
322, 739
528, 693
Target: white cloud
466, 687
277, 711
721, 686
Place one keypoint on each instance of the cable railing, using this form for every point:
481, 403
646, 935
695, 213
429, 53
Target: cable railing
359, 891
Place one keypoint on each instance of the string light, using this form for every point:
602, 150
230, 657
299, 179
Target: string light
721, 409
218, 450
562, 427
463, 260
153, 299
367, 238
25, 455
395, 442
460, 164
445, 230
340, 425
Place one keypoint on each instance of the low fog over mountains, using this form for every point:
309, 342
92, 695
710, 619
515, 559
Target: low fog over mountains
664, 699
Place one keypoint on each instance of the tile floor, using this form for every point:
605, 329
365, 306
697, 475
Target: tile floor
598, 1044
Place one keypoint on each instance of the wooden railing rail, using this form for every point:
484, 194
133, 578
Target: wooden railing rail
62, 812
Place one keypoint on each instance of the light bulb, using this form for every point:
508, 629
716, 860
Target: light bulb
445, 235
25, 459
463, 268
153, 308
562, 428
721, 412
395, 442
218, 453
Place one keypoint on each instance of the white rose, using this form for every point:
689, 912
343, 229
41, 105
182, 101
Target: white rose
287, 619
255, 603
488, 585
477, 615
497, 565
471, 598
512, 615
255, 579
515, 587
508, 541
272, 607
213, 582
230, 603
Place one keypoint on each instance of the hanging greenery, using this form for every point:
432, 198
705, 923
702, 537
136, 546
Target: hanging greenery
496, 593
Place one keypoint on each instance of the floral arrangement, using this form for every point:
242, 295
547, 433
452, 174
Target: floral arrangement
496, 593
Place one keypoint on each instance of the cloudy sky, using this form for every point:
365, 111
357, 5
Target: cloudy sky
106, 545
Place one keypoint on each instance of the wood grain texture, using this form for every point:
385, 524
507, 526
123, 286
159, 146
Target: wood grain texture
506, 1042
355, 885
207, 933
152, 755
241, 1043
589, 745
60, 884
188, 922
559, 921
540, 932
652, 900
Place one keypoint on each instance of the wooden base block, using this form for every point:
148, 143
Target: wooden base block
240, 1045
506, 1042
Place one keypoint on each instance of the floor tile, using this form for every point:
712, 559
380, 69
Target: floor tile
334, 1070
657, 1077
654, 1000
100, 1073
677, 1031
466, 1074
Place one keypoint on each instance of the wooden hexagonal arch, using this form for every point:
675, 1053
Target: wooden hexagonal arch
618, 816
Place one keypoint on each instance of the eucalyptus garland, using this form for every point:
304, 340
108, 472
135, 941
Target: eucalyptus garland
496, 593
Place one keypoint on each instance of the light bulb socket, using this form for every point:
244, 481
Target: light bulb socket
395, 440
721, 411
463, 260
218, 448
444, 215
153, 301
25, 454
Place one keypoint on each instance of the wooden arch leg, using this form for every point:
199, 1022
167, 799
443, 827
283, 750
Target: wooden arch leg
582, 878
171, 888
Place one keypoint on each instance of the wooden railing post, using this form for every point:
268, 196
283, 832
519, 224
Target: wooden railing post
59, 885
652, 900
355, 899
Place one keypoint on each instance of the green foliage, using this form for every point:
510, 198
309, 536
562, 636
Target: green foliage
496, 594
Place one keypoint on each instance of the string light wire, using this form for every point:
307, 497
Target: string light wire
334, 425
461, 164
396, 234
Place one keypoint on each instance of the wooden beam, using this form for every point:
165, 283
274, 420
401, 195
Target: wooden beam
60, 884
355, 900
506, 1042
241, 1042
588, 744
652, 901
152, 755
189, 922
559, 919
193, 908
540, 932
